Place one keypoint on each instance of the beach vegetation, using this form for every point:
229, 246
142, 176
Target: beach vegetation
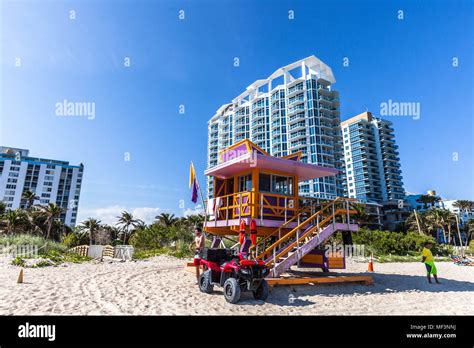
387, 243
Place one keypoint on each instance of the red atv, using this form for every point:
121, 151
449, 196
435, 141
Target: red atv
234, 273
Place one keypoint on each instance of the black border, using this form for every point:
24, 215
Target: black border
86, 331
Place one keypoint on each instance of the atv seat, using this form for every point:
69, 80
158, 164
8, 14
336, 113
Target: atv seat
218, 255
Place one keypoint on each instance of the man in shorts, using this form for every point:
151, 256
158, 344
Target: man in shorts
428, 260
199, 242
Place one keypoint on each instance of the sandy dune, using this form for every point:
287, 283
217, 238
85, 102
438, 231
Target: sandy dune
161, 286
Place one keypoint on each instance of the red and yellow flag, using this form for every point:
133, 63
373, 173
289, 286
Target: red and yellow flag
193, 183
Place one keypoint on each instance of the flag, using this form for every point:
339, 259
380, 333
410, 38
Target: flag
193, 183
194, 197
192, 174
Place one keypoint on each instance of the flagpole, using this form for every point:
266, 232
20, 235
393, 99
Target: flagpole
202, 196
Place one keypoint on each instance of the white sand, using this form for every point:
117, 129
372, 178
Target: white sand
161, 286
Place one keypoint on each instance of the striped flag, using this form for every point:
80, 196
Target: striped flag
193, 183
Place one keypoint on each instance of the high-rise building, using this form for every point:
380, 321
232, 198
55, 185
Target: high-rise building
294, 109
371, 159
53, 181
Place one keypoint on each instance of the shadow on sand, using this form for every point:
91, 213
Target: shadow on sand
383, 284
289, 295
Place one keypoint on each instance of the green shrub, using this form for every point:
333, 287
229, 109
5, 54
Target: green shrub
158, 237
70, 240
395, 243
18, 261
470, 248
42, 244
181, 250
43, 263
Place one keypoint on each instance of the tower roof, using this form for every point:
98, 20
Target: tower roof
245, 155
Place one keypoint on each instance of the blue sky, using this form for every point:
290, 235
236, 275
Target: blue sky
190, 62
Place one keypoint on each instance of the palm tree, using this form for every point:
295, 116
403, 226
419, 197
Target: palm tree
29, 196
437, 219
412, 224
3, 207
468, 230
50, 212
90, 226
195, 220
361, 216
166, 220
448, 220
428, 199
464, 205
125, 221
13, 219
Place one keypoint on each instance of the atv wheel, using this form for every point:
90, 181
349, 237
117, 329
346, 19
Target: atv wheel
205, 282
232, 290
262, 291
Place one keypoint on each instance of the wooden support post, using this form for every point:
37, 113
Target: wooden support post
240, 207
348, 216
227, 212
298, 245
333, 218
274, 257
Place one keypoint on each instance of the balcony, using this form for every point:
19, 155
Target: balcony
239, 130
259, 104
298, 126
296, 118
298, 135
296, 99
296, 108
259, 130
276, 124
325, 125
295, 89
258, 115
258, 123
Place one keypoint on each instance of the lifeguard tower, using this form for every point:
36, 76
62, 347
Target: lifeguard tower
257, 193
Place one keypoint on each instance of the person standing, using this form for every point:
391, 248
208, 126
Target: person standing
199, 243
428, 260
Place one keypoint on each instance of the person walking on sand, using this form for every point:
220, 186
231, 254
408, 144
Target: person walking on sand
428, 260
199, 242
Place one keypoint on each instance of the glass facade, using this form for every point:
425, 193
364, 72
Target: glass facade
294, 111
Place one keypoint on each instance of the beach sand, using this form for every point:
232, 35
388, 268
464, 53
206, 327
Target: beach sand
161, 286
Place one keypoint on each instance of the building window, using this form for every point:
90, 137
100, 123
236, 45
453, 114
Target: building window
245, 183
282, 185
264, 182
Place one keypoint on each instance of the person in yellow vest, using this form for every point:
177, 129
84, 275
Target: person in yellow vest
428, 260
